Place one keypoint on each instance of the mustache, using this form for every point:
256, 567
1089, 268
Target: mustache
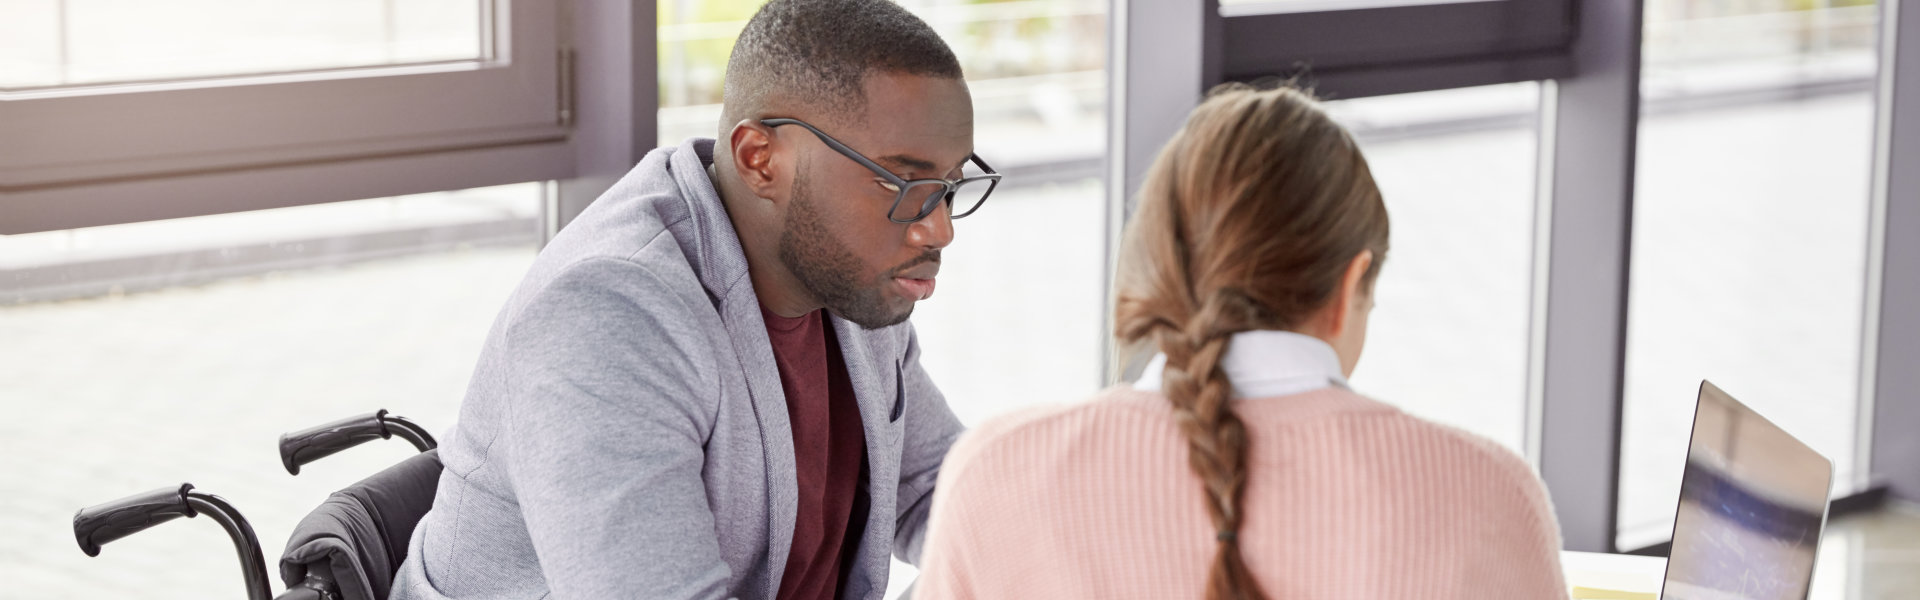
931, 256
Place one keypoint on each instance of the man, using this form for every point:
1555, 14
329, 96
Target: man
706, 386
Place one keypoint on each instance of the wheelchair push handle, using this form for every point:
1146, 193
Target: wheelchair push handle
314, 443
103, 523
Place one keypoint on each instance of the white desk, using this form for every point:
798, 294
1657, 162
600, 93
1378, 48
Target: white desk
1621, 572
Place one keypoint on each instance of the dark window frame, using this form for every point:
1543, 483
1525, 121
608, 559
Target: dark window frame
1375, 51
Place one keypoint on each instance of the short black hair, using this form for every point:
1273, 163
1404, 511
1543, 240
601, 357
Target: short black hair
819, 52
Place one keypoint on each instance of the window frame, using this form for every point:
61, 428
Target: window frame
1371, 51
98, 155
1887, 451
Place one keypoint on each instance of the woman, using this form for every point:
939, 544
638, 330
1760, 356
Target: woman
1240, 465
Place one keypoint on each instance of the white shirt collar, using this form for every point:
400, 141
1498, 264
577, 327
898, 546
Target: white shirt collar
1267, 363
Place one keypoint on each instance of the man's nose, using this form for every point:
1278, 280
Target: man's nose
933, 231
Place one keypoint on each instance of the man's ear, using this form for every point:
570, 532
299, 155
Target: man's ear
763, 171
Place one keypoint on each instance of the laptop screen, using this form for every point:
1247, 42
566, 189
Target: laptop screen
1753, 500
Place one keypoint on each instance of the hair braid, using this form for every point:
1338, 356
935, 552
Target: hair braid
1201, 395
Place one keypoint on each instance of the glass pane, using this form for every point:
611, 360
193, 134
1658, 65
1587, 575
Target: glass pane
29, 42
1023, 272
1749, 232
1448, 336
152, 383
75, 42
1034, 67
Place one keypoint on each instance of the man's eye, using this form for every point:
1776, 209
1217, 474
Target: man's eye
888, 185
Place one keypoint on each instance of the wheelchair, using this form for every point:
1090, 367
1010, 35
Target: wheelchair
349, 548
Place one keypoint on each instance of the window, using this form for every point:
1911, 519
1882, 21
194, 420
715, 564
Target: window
1750, 233
1448, 338
232, 107
62, 43
1010, 326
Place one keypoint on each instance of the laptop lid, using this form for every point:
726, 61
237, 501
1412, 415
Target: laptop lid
1753, 501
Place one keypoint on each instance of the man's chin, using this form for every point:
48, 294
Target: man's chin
875, 319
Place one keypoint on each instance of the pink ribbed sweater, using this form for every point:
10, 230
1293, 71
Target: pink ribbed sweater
1346, 498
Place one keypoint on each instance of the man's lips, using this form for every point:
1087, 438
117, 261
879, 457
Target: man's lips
916, 289
917, 280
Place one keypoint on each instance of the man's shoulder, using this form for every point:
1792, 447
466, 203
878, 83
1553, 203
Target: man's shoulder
629, 222
640, 240
600, 286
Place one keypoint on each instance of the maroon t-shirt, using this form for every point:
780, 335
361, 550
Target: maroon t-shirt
829, 452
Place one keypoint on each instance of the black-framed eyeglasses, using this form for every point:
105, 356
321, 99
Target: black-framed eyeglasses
963, 196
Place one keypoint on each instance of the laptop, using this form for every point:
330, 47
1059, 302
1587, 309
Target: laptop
1753, 502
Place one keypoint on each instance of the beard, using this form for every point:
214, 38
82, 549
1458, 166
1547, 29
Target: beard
829, 270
